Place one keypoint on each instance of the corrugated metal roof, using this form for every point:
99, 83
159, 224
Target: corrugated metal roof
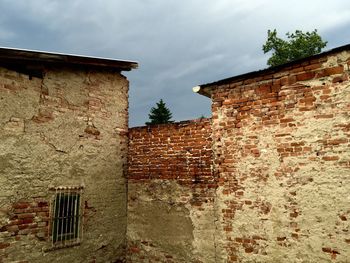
22, 56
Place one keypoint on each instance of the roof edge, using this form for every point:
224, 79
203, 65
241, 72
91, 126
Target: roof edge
20, 55
200, 90
268, 70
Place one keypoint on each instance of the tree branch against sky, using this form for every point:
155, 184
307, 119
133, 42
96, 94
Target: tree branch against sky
299, 45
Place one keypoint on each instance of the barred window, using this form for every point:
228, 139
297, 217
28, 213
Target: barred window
66, 216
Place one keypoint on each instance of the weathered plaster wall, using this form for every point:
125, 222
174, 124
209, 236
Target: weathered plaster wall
281, 143
171, 192
67, 128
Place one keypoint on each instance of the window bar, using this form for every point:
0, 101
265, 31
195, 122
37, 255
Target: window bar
65, 216
76, 216
66, 236
63, 200
53, 209
73, 207
67, 233
61, 216
81, 212
57, 214
54, 218
71, 213
64, 208
79, 216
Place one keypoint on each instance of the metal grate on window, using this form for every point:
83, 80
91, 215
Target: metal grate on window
66, 216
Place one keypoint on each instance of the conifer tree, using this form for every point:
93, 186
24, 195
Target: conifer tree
159, 114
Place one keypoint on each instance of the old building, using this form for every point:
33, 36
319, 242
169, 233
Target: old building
266, 179
278, 185
63, 147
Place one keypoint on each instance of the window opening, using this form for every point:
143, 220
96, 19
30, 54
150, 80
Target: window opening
66, 216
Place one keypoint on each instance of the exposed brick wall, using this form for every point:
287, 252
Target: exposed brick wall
26, 217
180, 151
279, 187
281, 142
171, 193
66, 128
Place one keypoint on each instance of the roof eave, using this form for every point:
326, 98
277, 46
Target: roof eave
209, 86
202, 91
34, 56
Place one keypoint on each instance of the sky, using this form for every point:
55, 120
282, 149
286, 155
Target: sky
178, 44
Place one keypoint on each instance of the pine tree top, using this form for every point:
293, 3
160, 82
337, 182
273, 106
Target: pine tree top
159, 114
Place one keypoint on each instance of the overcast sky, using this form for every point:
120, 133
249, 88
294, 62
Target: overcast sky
178, 43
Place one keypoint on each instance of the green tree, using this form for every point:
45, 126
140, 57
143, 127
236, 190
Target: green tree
159, 114
299, 45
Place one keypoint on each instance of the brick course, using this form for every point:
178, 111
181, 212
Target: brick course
180, 151
278, 187
27, 218
281, 144
171, 190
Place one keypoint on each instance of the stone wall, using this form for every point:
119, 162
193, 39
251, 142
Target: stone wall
171, 190
281, 142
67, 128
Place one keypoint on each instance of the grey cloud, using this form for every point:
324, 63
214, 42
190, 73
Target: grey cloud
179, 44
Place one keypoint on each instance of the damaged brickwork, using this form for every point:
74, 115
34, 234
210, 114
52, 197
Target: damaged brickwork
280, 156
66, 126
171, 191
281, 148
265, 180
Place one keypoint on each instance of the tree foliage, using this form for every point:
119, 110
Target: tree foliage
159, 114
299, 45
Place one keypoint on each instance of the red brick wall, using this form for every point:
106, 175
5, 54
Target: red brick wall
180, 151
26, 217
281, 142
170, 169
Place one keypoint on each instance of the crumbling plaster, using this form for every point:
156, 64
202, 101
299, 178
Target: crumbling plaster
66, 129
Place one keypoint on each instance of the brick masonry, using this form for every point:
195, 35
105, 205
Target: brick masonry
171, 191
66, 128
26, 218
279, 186
281, 142
265, 180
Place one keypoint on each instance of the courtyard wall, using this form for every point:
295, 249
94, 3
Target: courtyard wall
281, 142
171, 191
275, 171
